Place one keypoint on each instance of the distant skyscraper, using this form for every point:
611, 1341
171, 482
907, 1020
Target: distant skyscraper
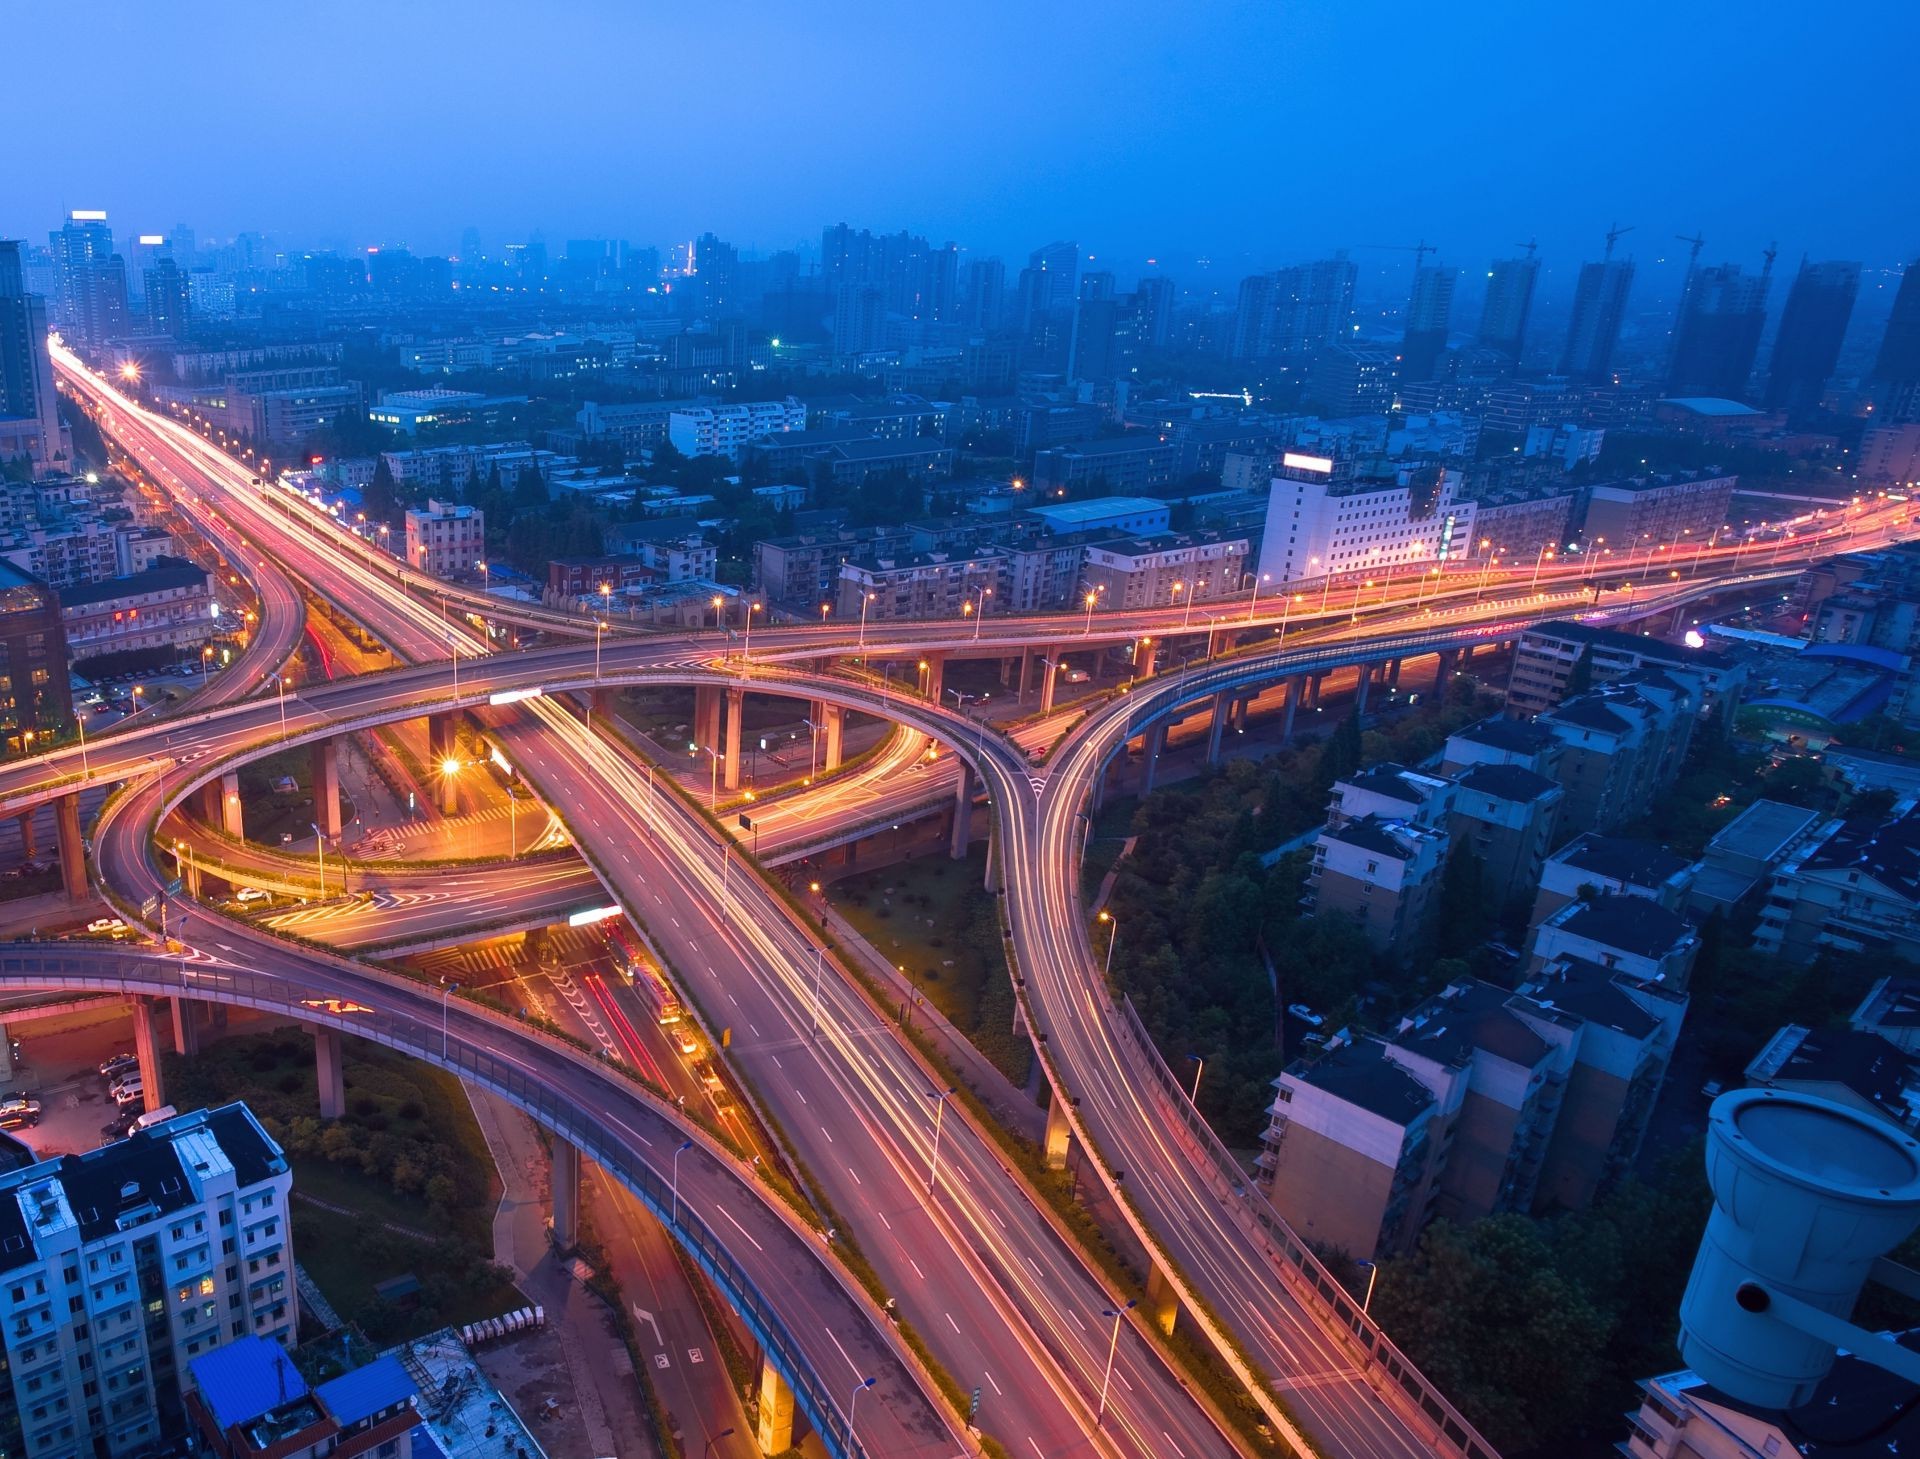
91, 305
986, 296
1296, 312
715, 265
1156, 295
917, 280
1896, 371
1503, 317
1599, 304
1807, 347
1047, 307
1429, 314
167, 303
29, 415
1717, 334
469, 244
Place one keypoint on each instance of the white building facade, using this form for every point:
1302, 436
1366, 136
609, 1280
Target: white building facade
1319, 525
446, 539
725, 430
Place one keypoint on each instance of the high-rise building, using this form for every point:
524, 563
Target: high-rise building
1896, 371
1807, 346
168, 309
1295, 312
916, 279
714, 265
1429, 313
1156, 295
1503, 317
1047, 307
1599, 304
985, 304
29, 412
91, 305
1717, 334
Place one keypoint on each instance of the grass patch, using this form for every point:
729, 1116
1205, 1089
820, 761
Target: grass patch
933, 917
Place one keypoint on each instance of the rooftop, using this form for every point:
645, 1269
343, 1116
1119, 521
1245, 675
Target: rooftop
1590, 992
1468, 1017
166, 575
1362, 1075
1630, 924
245, 1378
1622, 859
381, 1384
1886, 851
1500, 732
1098, 509
1865, 1063
1507, 782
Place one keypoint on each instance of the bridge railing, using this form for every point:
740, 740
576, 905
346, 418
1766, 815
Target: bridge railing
514, 1080
1303, 1272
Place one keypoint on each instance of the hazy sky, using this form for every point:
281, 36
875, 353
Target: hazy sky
1249, 134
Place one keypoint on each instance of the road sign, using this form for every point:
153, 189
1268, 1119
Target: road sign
973, 1406
174, 887
149, 907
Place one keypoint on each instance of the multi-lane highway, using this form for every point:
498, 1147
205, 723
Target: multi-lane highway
973, 1262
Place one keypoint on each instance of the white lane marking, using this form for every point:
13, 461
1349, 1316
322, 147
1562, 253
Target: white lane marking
951, 1323
916, 1269
738, 1227
856, 1176
990, 1383
823, 1130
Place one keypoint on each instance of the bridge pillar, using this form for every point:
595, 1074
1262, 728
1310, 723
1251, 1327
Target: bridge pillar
936, 675
1240, 707
1152, 744
736, 713
566, 1194
835, 720
706, 716
1443, 670
232, 818
1391, 675
1026, 672
73, 847
326, 786
774, 1431
1163, 1303
441, 736
29, 840
186, 1026
1006, 673
1097, 797
327, 1073
1360, 690
1296, 686
1146, 654
146, 1048
1318, 686
1222, 709
1059, 1135
962, 814
1049, 681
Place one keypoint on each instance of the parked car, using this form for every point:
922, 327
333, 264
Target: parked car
1078, 676
1305, 1014
126, 1094
119, 1064
14, 1113
253, 894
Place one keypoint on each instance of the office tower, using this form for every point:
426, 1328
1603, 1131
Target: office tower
1429, 311
29, 408
1156, 303
469, 244
715, 265
986, 297
167, 306
91, 305
1503, 317
1812, 325
859, 318
1294, 312
1599, 304
1896, 371
1046, 307
183, 244
1110, 335
127, 1262
1717, 334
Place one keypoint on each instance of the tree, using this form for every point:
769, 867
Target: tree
382, 497
1580, 676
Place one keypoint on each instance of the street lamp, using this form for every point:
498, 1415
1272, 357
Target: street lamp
679, 1150
1093, 597
854, 1402
865, 599
708, 1450
447, 990
1546, 551
486, 577
320, 855
1113, 1347
1254, 607
1373, 1275
1113, 936
746, 648
599, 628
939, 1111
1200, 1067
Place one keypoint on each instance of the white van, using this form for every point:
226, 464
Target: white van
134, 1091
154, 1116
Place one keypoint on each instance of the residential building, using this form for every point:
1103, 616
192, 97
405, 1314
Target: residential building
457, 471
801, 572
1717, 335
847, 464
123, 1264
1617, 866
1131, 516
1429, 313
1849, 1066
1357, 379
1889, 455
1322, 524
1136, 462
1806, 347
1507, 815
1896, 368
1599, 306
1738, 864
1151, 572
1513, 530
169, 306
726, 430
35, 693
1657, 520
1891, 1010
914, 585
29, 407
1295, 312
90, 302
1383, 874
1621, 745
1499, 740
446, 539
1392, 792
1855, 887
170, 604
1546, 654
1631, 935
247, 1400
285, 418
676, 548
639, 426
1509, 301
570, 578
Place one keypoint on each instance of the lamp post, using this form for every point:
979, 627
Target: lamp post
819, 959
486, 578
980, 613
1113, 1347
1539, 561
1373, 1275
706, 1452
713, 776
1200, 1067
447, 990
1093, 597
746, 649
599, 628
1254, 607
80, 722
320, 855
865, 599
206, 660
678, 1151
939, 1099
1113, 936
813, 748
854, 1402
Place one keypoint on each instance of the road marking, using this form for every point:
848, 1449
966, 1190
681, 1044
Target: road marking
883, 1220
951, 1323
1076, 1319
752, 1030
694, 1356
856, 1176
990, 1383
842, 1351
916, 1269
776, 1061
1176, 1448
823, 1130
738, 1227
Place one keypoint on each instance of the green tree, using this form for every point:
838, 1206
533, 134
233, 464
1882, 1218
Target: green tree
382, 497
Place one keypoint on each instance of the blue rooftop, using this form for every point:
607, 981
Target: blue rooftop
366, 1391
245, 1378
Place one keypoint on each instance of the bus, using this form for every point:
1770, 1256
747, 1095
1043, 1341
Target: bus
646, 979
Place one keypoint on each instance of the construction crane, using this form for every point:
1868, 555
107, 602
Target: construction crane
1530, 245
1614, 235
1698, 243
1419, 250
1771, 252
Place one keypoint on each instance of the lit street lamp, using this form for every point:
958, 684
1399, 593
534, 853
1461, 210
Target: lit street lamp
1113, 936
1373, 1275
1200, 1067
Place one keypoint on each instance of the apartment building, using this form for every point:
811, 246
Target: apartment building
36, 691
1171, 569
1139, 461
455, 471
1849, 1066
801, 572
1855, 887
635, 427
1658, 514
1508, 816
171, 604
119, 1266
1545, 655
1323, 522
1631, 935
726, 430
1383, 874
446, 539
1500, 740
916, 584
247, 1400
1593, 864
1392, 791
1620, 746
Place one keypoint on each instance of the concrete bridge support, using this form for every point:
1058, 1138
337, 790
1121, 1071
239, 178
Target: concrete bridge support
566, 1194
73, 847
936, 675
146, 1048
1163, 1303
29, 839
736, 707
186, 1026
326, 786
441, 735
774, 1429
962, 814
1059, 1136
1146, 654
1360, 690
835, 721
1152, 744
1049, 680
1296, 688
1222, 711
706, 716
333, 1084
1026, 672
233, 818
